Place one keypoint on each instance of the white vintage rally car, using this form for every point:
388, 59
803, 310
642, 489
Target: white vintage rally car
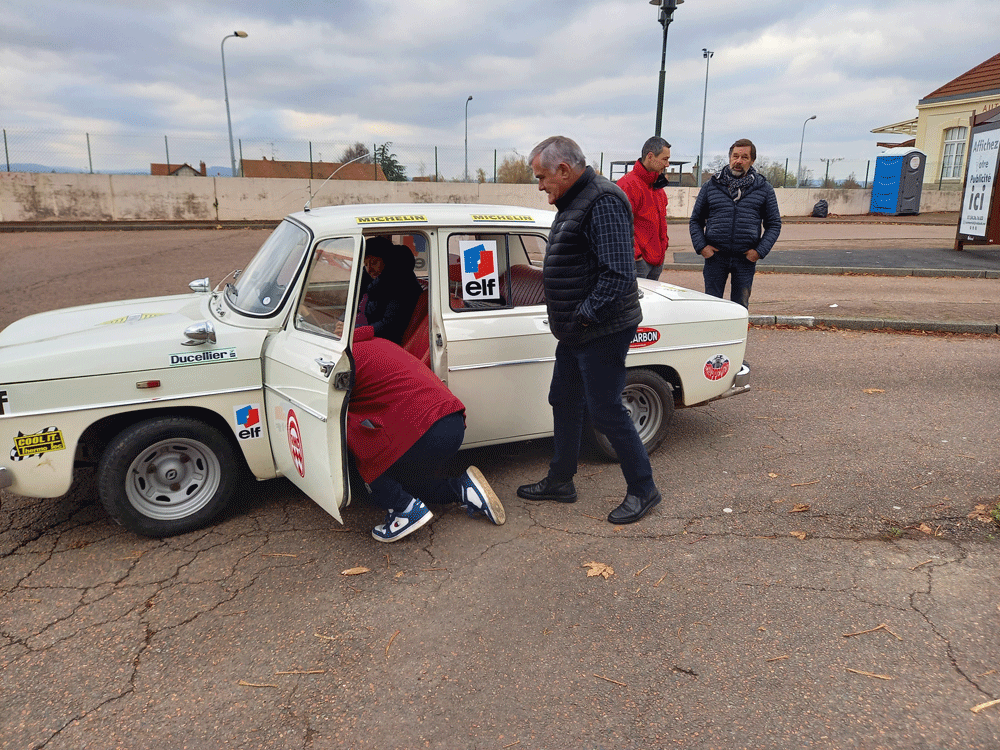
172, 397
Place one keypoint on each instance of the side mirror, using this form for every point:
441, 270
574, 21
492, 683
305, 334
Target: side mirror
199, 286
200, 333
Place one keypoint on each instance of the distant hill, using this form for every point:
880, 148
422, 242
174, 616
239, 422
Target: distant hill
27, 167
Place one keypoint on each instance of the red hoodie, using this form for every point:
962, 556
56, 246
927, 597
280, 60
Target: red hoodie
649, 212
395, 400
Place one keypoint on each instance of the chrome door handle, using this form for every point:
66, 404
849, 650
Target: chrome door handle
325, 366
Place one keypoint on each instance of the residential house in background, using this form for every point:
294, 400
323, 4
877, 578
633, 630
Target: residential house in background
941, 128
317, 170
176, 170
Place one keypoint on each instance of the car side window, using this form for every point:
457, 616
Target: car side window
324, 301
495, 271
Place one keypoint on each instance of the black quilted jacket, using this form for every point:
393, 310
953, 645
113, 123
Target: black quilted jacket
735, 226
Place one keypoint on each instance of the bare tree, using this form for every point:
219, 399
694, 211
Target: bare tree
515, 170
353, 152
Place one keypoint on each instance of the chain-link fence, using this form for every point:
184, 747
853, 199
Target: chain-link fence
29, 150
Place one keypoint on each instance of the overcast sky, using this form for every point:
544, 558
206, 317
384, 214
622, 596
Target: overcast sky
339, 71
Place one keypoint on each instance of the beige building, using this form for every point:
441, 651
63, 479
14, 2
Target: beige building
941, 128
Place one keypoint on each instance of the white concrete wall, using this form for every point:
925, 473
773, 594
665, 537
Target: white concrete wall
45, 197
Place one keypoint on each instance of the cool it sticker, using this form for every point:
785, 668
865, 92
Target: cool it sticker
26, 446
248, 418
295, 443
717, 367
644, 337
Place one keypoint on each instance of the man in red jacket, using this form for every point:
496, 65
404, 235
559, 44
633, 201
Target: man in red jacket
403, 426
644, 188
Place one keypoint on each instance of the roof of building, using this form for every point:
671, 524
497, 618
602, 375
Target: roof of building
305, 170
165, 170
983, 79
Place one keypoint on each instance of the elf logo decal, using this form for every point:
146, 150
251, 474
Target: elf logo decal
295, 443
480, 279
644, 337
3, 400
248, 417
26, 446
717, 367
198, 358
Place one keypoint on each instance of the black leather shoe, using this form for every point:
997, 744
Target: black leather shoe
547, 489
633, 508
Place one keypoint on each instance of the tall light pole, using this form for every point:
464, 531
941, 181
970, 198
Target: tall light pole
798, 176
707, 54
467, 138
225, 88
667, 8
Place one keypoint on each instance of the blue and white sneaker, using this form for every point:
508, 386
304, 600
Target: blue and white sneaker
401, 523
478, 497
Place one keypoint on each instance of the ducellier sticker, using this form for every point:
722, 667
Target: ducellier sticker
48, 440
717, 367
199, 358
502, 217
4, 401
644, 337
390, 219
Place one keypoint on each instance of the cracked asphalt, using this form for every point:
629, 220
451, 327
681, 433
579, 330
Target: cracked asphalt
811, 580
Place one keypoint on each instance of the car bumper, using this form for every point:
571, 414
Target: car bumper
741, 384
6, 478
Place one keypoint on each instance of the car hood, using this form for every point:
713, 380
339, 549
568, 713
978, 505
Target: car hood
134, 335
701, 305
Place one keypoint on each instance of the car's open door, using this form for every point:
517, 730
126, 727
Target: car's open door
308, 375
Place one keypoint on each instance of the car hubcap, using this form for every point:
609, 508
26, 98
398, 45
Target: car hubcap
645, 410
173, 479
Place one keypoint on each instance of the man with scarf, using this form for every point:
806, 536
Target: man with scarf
644, 188
727, 220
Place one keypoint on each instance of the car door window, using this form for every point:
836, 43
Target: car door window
512, 261
323, 308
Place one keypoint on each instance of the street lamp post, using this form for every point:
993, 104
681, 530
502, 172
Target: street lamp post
798, 176
707, 54
667, 8
225, 88
467, 138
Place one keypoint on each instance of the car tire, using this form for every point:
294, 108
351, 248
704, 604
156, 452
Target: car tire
167, 476
649, 400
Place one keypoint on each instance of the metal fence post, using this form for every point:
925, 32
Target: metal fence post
5, 151
90, 159
167, 147
435, 164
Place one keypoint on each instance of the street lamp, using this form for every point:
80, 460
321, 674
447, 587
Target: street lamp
798, 177
225, 88
467, 138
707, 54
667, 8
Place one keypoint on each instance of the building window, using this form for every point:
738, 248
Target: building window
954, 153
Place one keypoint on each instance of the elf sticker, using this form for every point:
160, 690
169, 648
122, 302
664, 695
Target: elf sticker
295, 443
248, 420
644, 337
717, 367
480, 273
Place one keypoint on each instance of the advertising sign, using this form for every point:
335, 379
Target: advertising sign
480, 271
980, 181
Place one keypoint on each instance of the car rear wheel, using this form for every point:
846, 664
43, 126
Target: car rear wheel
167, 476
649, 400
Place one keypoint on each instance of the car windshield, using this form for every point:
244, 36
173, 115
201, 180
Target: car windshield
261, 288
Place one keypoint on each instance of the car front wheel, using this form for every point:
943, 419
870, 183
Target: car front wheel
167, 476
649, 400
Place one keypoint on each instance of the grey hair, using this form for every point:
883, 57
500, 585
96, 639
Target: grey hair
558, 150
653, 146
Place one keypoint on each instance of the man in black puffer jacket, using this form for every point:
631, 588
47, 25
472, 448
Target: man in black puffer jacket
593, 305
726, 223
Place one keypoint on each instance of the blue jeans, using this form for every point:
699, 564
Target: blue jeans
420, 471
722, 265
645, 271
590, 378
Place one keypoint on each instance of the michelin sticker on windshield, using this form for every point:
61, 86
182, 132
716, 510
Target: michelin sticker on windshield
717, 367
480, 275
248, 420
400, 219
644, 337
502, 217
26, 446
200, 358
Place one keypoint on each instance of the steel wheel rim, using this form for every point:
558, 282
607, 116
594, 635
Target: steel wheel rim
644, 408
173, 479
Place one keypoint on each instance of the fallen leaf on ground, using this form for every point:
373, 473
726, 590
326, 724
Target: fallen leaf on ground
772, 474
925, 528
355, 571
599, 569
874, 390
799, 508
798, 534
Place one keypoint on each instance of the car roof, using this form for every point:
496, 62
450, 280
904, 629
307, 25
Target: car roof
332, 219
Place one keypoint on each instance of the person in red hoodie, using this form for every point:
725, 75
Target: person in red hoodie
644, 188
403, 427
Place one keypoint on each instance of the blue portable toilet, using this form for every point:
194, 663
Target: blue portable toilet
899, 178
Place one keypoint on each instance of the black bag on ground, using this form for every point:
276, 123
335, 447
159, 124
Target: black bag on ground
821, 209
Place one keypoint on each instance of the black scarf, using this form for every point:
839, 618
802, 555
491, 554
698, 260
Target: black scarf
735, 185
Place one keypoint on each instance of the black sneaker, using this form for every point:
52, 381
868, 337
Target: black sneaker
549, 489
